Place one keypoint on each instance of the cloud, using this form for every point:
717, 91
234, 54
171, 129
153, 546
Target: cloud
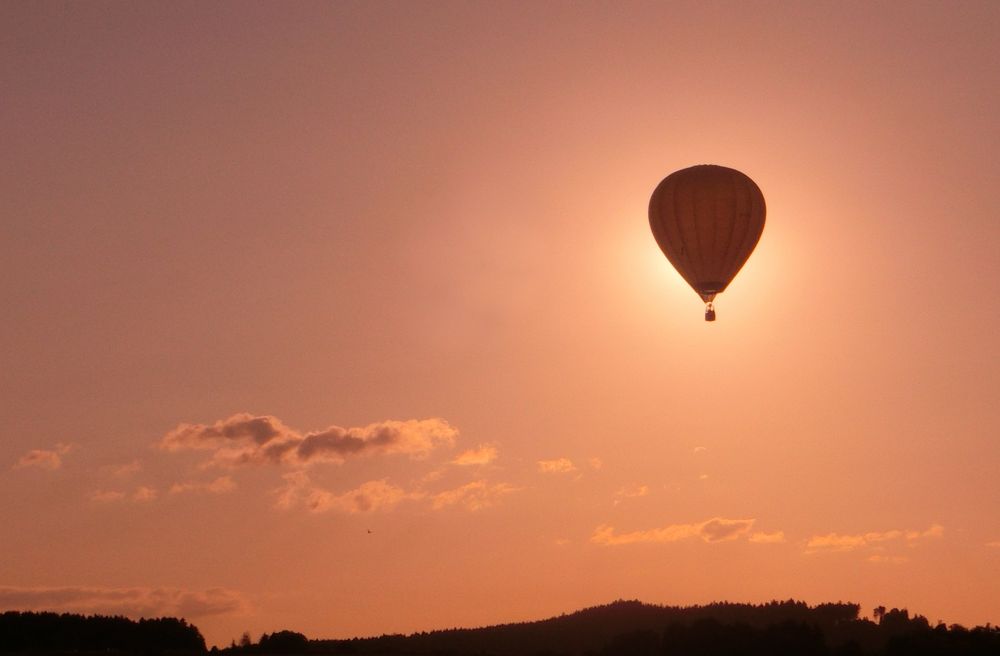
935, 531
415, 438
124, 470
995, 543
837, 542
132, 602
368, 497
891, 560
721, 530
557, 466
432, 476
299, 491
50, 459
482, 455
473, 496
716, 529
761, 537
246, 439
107, 496
221, 485
297, 486
595, 463
631, 493
238, 428
143, 494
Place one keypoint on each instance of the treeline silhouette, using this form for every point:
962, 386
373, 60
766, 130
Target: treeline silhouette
55, 633
622, 628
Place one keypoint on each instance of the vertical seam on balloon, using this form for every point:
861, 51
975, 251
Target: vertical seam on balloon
728, 258
752, 236
680, 265
730, 212
700, 269
690, 268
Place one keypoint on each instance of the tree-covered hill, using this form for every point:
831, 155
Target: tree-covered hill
722, 629
622, 628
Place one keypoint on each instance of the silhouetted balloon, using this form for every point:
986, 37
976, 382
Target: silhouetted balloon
707, 220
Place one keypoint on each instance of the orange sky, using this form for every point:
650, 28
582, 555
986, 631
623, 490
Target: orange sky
277, 274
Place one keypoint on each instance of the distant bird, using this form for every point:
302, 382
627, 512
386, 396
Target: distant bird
369, 530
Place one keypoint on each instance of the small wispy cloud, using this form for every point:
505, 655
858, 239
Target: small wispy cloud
760, 537
132, 602
107, 496
141, 494
370, 496
890, 560
380, 495
123, 470
595, 463
367, 497
832, 542
631, 493
50, 459
717, 529
473, 496
247, 439
432, 476
556, 466
481, 455
220, 485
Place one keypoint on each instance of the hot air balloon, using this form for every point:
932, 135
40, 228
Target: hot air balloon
707, 220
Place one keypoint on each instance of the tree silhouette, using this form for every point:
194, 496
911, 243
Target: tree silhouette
283, 642
52, 632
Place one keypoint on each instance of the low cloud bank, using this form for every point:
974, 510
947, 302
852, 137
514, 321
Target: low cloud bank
131, 602
850, 542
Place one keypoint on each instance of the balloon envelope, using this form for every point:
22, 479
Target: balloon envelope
707, 220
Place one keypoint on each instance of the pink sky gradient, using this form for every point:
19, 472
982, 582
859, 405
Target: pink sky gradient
346, 318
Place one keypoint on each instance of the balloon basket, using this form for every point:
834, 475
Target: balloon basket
709, 312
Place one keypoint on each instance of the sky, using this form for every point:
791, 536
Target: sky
346, 318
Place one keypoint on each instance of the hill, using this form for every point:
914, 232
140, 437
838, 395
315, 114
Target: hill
634, 628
